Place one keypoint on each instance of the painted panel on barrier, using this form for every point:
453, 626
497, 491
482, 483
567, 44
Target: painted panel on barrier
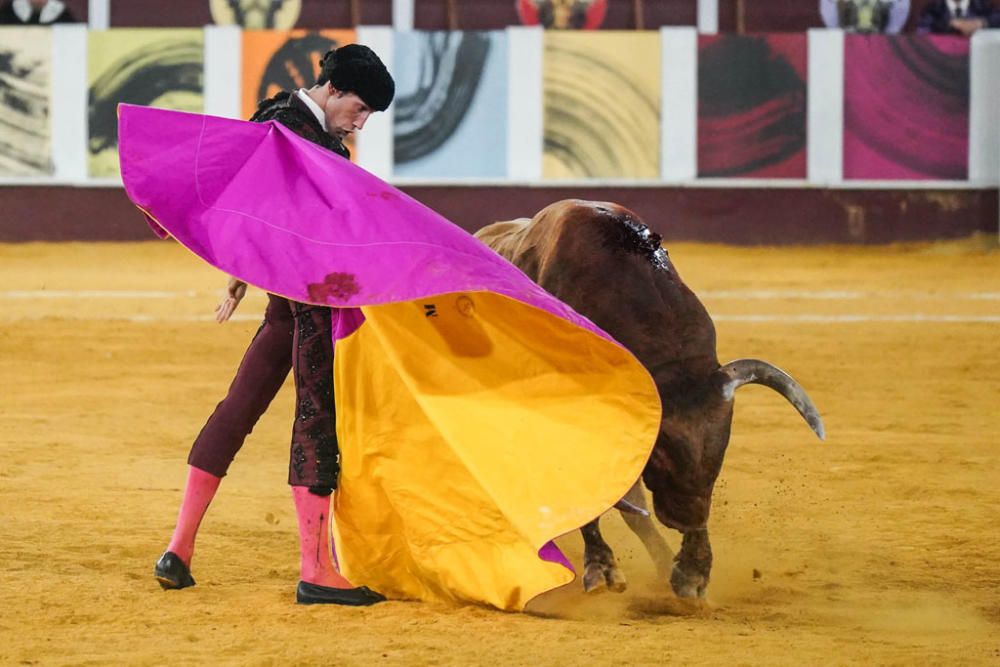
906, 107
161, 68
602, 105
450, 113
25, 128
752, 105
276, 60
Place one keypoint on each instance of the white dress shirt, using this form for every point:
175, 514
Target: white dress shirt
959, 7
316, 109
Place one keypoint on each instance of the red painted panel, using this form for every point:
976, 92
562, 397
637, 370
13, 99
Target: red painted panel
906, 107
752, 105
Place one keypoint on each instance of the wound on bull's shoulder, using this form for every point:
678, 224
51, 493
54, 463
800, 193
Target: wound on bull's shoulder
640, 239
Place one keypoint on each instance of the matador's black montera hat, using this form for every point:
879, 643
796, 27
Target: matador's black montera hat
355, 68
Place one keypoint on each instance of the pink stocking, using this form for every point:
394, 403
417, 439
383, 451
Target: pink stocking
315, 563
200, 489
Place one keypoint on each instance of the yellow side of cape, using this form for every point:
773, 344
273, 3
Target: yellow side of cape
473, 429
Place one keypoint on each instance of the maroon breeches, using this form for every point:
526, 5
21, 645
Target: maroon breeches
294, 336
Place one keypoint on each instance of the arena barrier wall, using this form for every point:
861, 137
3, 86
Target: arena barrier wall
746, 215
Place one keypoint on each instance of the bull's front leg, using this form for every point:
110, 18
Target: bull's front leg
599, 566
646, 531
692, 565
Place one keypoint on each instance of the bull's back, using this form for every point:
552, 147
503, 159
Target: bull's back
506, 238
562, 234
599, 259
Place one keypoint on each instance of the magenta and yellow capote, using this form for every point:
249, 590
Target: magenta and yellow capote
478, 417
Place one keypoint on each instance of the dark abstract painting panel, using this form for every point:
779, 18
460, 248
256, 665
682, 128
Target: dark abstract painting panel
151, 67
906, 107
450, 112
752, 105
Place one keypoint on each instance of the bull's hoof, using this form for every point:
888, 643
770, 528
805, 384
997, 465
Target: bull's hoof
598, 577
688, 585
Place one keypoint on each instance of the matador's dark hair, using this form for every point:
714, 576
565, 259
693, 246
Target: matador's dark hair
355, 68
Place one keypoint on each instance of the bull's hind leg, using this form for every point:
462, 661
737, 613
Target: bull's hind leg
599, 566
645, 529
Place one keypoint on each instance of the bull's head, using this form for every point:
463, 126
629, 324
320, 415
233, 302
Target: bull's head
689, 451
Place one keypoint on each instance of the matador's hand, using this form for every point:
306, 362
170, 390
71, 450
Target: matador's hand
968, 26
235, 291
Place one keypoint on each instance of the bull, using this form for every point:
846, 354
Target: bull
600, 259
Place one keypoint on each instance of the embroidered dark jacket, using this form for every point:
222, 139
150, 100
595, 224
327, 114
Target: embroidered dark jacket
292, 112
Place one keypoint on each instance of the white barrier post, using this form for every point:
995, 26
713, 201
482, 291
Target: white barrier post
525, 105
984, 110
708, 17
825, 122
402, 15
223, 56
375, 143
69, 115
99, 14
679, 104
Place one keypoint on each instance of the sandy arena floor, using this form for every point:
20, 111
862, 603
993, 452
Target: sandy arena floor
877, 546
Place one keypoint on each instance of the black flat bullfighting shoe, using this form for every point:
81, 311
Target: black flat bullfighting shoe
362, 596
171, 572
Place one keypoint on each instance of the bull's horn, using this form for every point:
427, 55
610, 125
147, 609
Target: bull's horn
626, 506
754, 371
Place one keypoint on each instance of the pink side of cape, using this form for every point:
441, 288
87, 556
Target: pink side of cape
264, 205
